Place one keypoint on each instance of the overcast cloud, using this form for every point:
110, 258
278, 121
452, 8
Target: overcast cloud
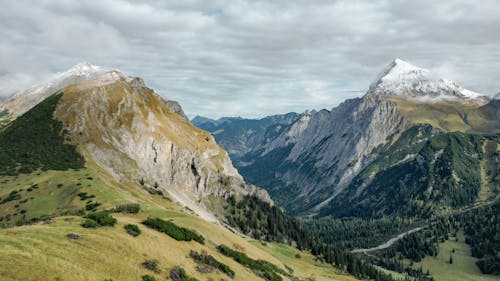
251, 58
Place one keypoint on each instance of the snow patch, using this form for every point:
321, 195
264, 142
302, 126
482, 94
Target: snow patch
404, 79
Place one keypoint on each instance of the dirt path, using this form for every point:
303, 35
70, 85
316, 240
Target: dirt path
388, 243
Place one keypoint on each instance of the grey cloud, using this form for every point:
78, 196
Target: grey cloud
252, 58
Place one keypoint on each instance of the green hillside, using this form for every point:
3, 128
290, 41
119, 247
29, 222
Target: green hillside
63, 218
423, 172
35, 140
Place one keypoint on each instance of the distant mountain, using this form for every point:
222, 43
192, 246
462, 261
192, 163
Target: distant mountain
240, 136
317, 161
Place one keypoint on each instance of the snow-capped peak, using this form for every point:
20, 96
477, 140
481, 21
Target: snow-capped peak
403, 79
401, 70
25, 99
81, 69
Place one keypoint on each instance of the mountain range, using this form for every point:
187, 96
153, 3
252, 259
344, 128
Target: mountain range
382, 153
102, 178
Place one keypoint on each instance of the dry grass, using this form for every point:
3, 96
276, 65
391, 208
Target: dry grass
43, 252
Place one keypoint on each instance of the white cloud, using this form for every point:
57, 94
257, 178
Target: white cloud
252, 58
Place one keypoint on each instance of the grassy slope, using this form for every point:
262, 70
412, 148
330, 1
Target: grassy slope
449, 116
42, 251
304, 267
464, 265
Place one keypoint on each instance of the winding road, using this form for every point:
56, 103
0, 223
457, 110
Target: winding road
388, 243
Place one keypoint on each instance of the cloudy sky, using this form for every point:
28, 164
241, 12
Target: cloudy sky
251, 58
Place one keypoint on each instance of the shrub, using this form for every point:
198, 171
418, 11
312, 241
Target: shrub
132, 229
89, 224
92, 206
179, 274
174, 231
268, 269
13, 195
148, 278
74, 236
84, 196
151, 265
212, 262
101, 218
132, 208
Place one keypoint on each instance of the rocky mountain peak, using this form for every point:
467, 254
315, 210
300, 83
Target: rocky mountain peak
82, 69
134, 134
404, 80
26, 99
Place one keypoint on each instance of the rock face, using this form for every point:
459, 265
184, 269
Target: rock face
136, 136
312, 160
321, 152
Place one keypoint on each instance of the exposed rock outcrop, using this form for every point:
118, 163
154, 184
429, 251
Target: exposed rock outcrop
134, 134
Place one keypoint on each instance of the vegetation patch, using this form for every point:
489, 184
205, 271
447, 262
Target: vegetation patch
264, 268
148, 278
151, 265
179, 274
132, 208
132, 229
84, 196
97, 219
91, 206
35, 140
174, 231
209, 262
419, 174
13, 195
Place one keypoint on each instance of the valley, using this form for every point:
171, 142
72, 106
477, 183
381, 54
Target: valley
107, 171
249, 140
376, 171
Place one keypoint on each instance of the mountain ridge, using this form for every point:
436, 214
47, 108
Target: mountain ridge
315, 158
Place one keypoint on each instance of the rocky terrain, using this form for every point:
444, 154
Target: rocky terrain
311, 161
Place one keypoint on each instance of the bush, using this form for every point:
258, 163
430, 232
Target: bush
89, 224
101, 219
179, 274
84, 195
13, 195
132, 208
268, 269
174, 231
151, 265
212, 262
132, 229
148, 278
